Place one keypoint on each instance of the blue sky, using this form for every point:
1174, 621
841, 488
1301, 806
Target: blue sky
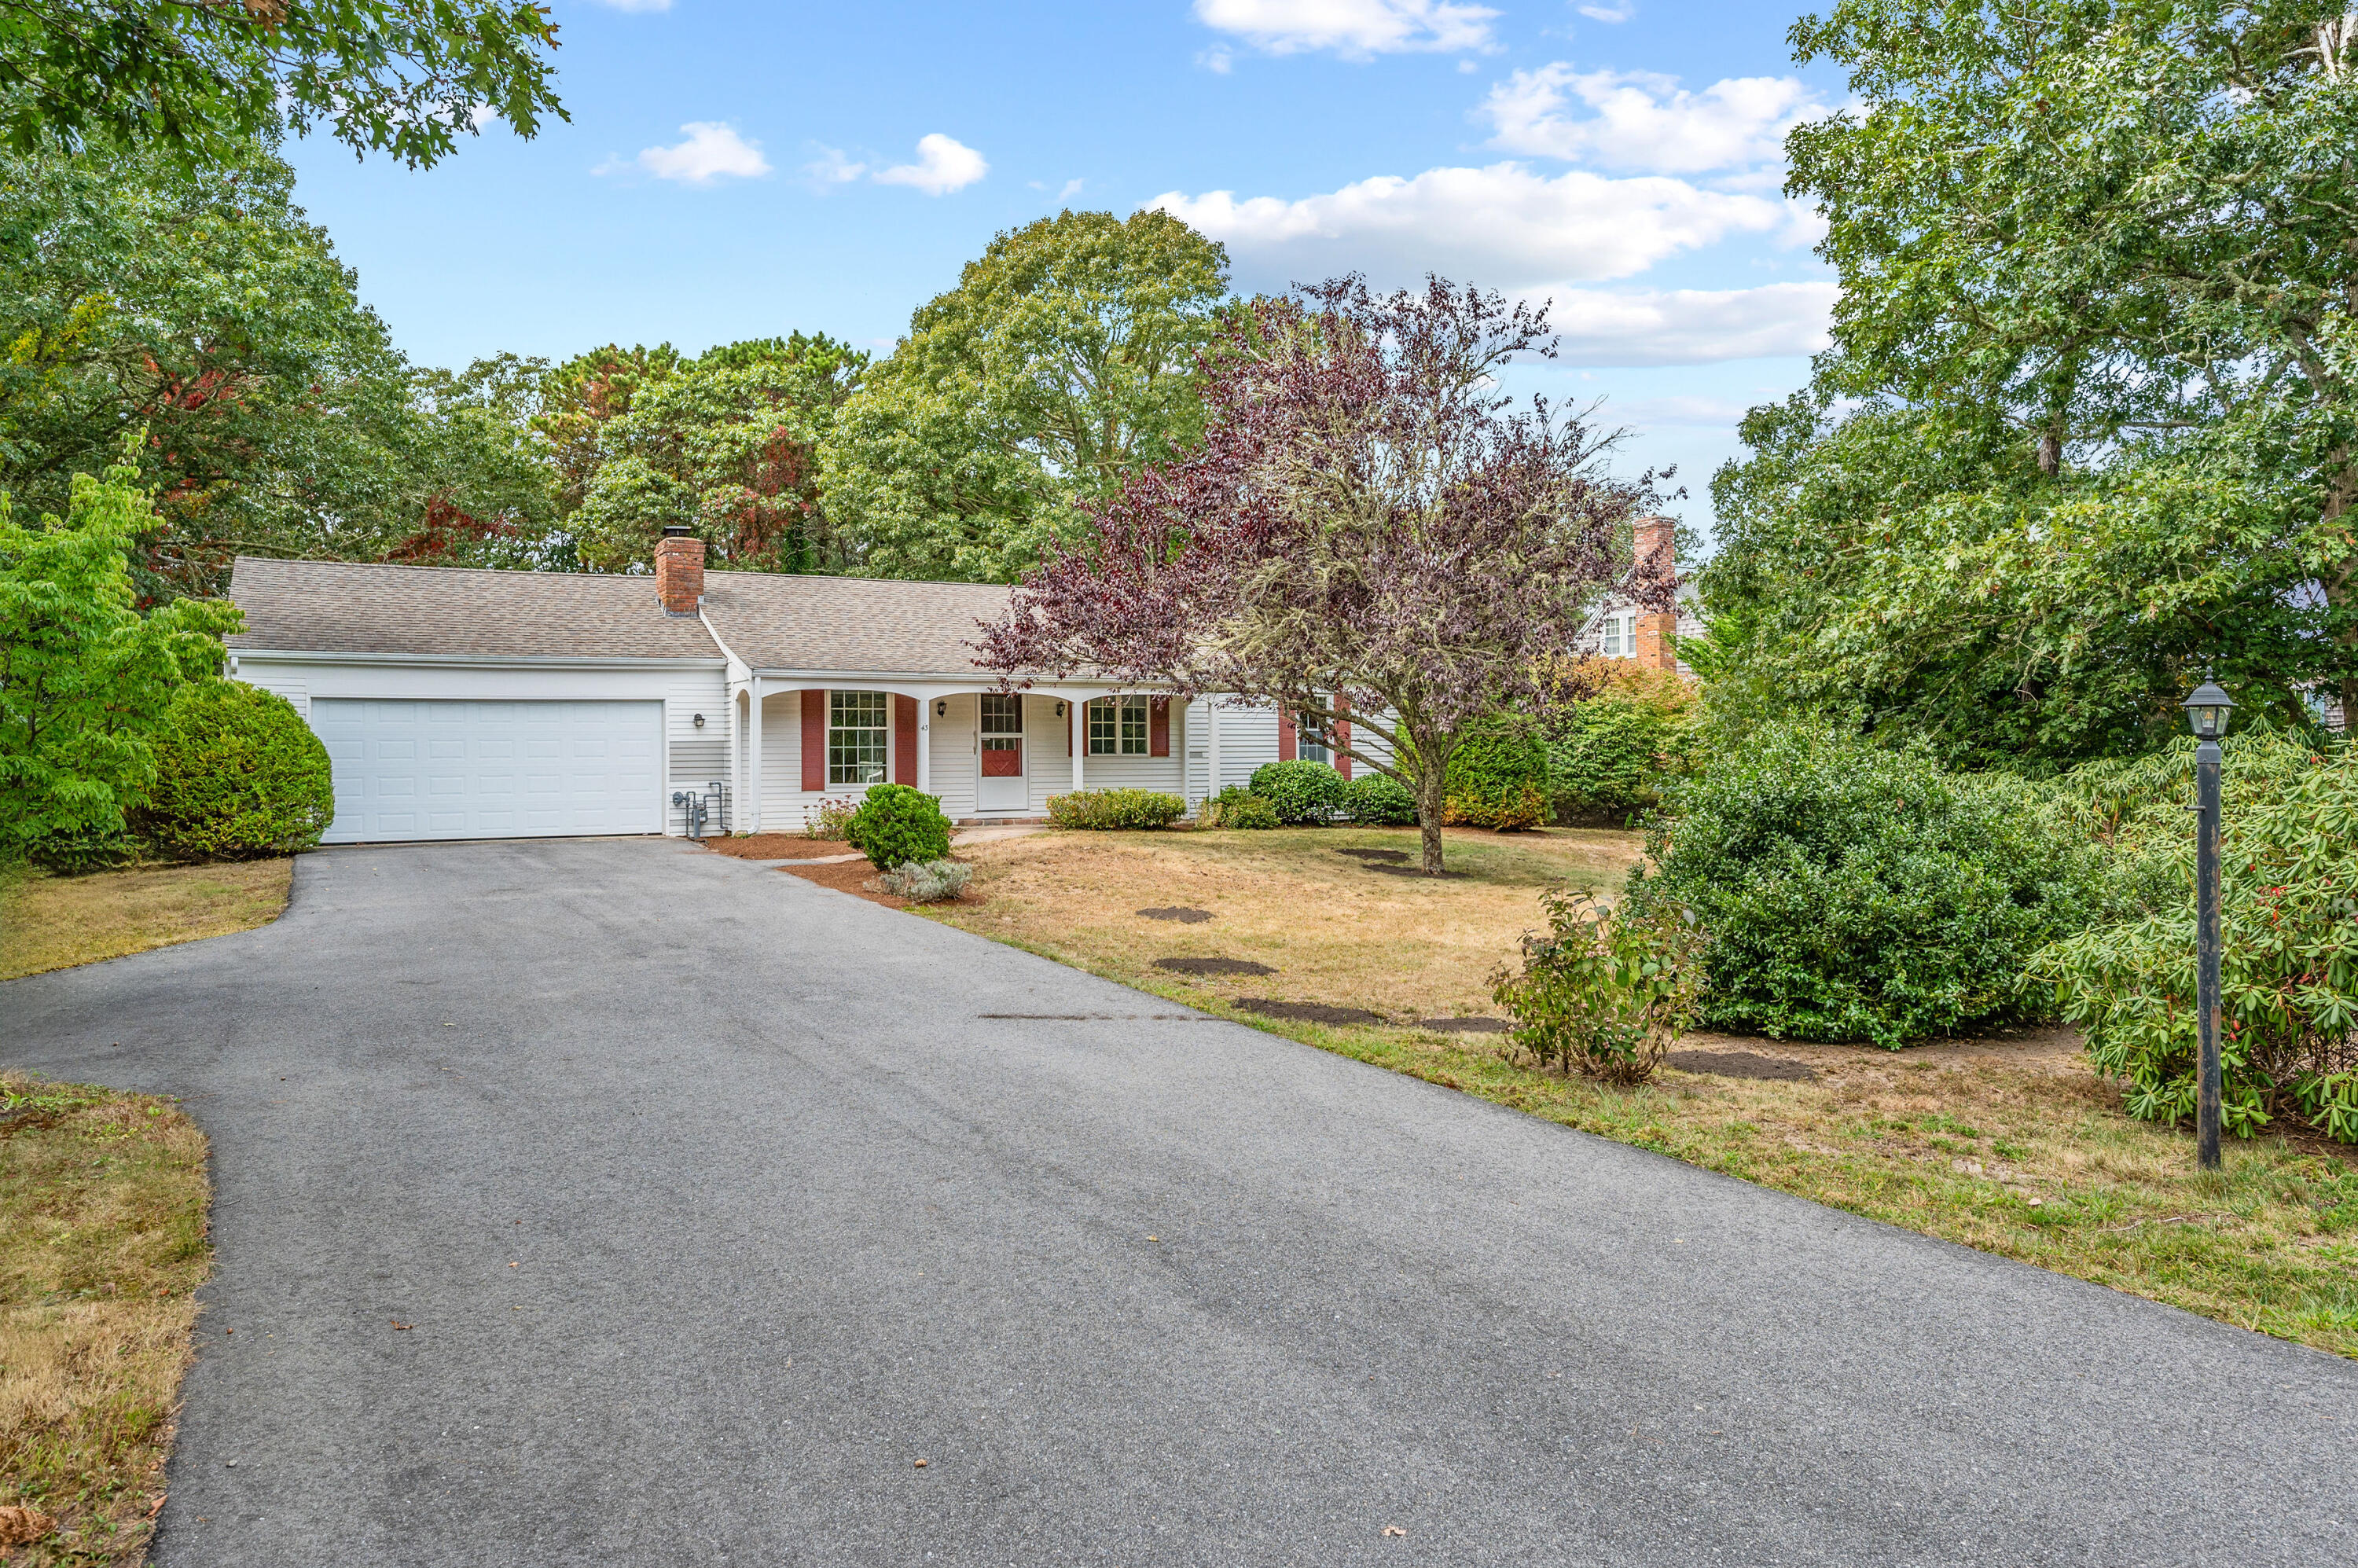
736, 170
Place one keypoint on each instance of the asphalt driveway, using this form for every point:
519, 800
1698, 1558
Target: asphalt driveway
718, 1200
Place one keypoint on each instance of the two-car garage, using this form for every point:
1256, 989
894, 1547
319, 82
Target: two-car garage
457, 768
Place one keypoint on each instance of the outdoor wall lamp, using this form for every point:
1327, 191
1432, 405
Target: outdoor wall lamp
942, 709
699, 721
2207, 712
1060, 711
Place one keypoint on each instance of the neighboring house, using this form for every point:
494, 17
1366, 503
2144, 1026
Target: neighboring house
458, 704
1618, 627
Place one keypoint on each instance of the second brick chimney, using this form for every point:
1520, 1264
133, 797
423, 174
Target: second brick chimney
679, 571
1655, 650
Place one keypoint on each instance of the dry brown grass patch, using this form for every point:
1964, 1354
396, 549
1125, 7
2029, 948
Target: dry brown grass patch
54, 922
102, 1243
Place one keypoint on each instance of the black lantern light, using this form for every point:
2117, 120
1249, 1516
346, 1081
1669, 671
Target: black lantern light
2206, 712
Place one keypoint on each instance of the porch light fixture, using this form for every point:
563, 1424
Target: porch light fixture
699, 721
942, 709
1060, 711
2207, 712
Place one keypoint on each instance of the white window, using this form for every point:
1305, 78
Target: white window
858, 737
1307, 747
1117, 726
1621, 637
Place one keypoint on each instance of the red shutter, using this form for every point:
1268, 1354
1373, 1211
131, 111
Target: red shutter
904, 739
814, 740
1284, 736
1342, 736
1158, 727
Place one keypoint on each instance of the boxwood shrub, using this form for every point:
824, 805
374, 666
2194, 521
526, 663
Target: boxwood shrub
1238, 807
238, 775
896, 826
1850, 893
1497, 776
1380, 800
1300, 793
1115, 809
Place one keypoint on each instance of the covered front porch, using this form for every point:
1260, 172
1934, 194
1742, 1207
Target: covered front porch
798, 739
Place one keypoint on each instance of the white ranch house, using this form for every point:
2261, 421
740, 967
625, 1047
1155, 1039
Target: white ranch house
460, 704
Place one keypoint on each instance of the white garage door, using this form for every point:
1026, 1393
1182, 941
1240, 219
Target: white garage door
492, 770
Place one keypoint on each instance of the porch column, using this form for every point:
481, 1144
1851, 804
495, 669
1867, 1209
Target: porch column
737, 759
925, 743
1080, 733
1212, 746
752, 802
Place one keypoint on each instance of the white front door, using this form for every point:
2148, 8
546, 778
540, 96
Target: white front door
450, 769
1001, 783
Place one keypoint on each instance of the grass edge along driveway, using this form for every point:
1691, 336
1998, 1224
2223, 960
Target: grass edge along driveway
56, 923
104, 1202
2031, 1158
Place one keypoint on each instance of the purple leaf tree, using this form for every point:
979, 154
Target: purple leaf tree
1371, 534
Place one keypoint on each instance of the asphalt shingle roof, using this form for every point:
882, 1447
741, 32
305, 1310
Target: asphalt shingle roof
336, 607
775, 621
771, 621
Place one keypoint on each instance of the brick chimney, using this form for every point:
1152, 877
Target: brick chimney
1655, 651
679, 571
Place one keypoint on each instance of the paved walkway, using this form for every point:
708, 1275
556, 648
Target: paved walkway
719, 1200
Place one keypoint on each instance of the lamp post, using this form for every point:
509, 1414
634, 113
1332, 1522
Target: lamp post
2206, 712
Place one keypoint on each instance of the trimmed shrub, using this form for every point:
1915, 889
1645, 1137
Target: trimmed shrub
1498, 777
1115, 809
238, 775
1380, 800
1603, 995
830, 820
76, 854
928, 881
1848, 892
896, 824
1610, 756
1300, 793
2288, 931
1238, 807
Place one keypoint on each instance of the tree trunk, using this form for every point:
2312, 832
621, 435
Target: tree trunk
1432, 791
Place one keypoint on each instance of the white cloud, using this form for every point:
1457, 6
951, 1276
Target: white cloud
832, 168
1621, 11
1637, 120
713, 150
943, 165
1504, 226
1689, 326
1218, 59
1072, 188
1352, 28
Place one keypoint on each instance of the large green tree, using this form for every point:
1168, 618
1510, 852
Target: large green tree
84, 678
199, 78
200, 307
2089, 424
1065, 360
725, 444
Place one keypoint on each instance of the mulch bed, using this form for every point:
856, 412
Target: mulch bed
1393, 863
1739, 1064
777, 846
1465, 1025
1305, 1012
1373, 856
1213, 966
859, 879
1181, 913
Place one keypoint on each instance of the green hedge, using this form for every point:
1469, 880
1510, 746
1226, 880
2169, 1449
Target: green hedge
1115, 809
1380, 800
1849, 892
1498, 777
896, 826
1302, 794
1238, 808
238, 775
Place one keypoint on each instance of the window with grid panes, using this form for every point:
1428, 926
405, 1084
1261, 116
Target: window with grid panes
1117, 726
859, 736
